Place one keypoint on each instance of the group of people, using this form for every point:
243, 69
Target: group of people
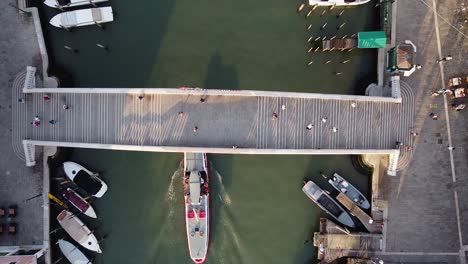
37, 120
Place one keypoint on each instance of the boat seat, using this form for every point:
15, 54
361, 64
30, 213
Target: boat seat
202, 214
2, 212
12, 211
190, 214
97, 16
12, 229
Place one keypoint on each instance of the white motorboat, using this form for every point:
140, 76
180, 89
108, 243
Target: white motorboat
72, 253
79, 202
83, 17
337, 2
340, 184
78, 231
85, 179
328, 204
197, 205
61, 4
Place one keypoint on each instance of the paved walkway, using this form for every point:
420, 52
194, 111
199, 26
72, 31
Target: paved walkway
423, 224
119, 117
19, 185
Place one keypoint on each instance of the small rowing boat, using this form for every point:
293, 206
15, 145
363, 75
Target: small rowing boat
197, 205
79, 202
328, 204
62, 4
72, 253
337, 2
78, 231
85, 179
340, 184
83, 17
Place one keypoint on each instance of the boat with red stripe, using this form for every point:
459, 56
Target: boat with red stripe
197, 205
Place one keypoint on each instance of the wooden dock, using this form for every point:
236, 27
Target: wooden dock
356, 211
334, 242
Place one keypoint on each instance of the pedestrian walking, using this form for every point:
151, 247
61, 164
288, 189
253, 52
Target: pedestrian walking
140, 97
195, 129
53, 121
274, 116
235, 147
181, 114
353, 104
418, 66
46, 97
36, 121
413, 133
334, 129
21, 100
65, 107
451, 148
202, 100
309, 126
324, 119
283, 107
433, 116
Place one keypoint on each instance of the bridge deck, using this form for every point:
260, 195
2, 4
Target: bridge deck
121, 117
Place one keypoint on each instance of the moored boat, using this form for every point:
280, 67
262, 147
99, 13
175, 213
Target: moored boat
197, 205
337, 2
85, 179
61, 4
83, 17
72, 253
79, 202
349, 190
328, 204
78, 231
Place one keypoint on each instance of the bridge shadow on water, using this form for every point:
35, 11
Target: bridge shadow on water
220, 75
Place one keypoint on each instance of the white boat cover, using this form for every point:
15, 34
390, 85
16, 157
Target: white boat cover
72, 253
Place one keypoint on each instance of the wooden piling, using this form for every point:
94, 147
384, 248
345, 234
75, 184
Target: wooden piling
342, 25
324, 25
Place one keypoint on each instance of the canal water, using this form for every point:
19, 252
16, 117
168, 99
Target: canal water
259, 213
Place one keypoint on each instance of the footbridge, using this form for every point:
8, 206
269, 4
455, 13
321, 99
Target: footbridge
212, 121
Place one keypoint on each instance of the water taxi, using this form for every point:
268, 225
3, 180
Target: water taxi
326, 203
340, 184
197, 205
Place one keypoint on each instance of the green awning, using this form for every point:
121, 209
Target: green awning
372, 40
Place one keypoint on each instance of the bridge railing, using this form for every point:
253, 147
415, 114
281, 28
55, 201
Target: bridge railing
212, 92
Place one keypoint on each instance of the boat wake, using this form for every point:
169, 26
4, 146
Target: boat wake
170, 196
222, 194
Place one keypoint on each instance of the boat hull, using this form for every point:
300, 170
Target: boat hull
74, 170
198, 225
351, 191
337, 3
83, 17
72, 253
319, 197
73, 3
78, 231
79, 203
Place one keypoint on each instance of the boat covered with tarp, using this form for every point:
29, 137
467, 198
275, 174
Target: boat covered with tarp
85, 179
327, 203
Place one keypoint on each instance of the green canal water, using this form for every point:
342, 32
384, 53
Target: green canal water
259, 213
